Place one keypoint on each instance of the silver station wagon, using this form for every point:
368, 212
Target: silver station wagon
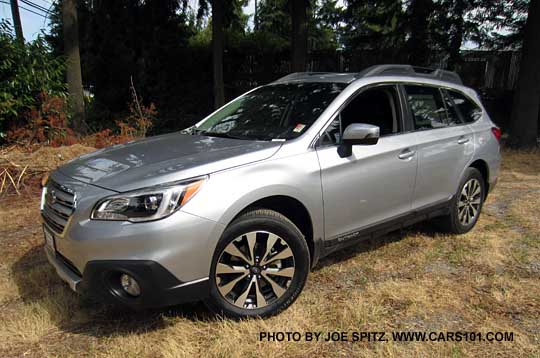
237, 209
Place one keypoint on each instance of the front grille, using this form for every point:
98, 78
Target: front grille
59, 205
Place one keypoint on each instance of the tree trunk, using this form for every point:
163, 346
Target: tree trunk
73, 64
217, 52
456, 35
299, 36
524, 128
417, 45
255, 19
17, 21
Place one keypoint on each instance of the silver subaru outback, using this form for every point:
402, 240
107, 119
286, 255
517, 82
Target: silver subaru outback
237, 209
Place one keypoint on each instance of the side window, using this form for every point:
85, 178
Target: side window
378, 106
468, 109
427, 107
332, 134
453, 115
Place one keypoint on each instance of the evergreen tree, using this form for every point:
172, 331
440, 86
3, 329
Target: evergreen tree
373, 24
526, 108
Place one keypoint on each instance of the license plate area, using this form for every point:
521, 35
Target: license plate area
50, 240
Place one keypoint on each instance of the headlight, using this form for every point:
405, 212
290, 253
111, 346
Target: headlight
147, 204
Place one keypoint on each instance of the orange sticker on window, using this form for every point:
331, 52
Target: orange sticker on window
299, 127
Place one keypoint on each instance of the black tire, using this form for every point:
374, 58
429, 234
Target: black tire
452, 223
261, 220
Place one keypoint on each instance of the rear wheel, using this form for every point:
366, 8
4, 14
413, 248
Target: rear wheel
259, 267
466, 204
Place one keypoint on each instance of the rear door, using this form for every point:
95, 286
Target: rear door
445, 144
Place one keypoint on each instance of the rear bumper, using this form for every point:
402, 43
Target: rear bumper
101, 281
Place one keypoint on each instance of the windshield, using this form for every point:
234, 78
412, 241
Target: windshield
280, 111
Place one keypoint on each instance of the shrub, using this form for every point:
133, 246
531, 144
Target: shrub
134, 126
26, 71
46, 123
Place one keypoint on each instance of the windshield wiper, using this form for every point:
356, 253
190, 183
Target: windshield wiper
238, 136
191, 130
222, 135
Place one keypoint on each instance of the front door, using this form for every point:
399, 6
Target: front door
376, 182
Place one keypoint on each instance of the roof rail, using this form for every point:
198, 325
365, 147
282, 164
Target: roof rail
408, 70
300, 75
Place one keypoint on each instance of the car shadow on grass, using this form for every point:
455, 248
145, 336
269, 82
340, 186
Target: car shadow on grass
43, 291
45, 295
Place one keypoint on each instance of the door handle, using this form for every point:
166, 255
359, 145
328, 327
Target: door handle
406, 154
463, 140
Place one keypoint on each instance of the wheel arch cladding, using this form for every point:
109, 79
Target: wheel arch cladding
482, 166
292, 209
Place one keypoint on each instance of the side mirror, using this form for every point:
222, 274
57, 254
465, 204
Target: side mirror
358, 134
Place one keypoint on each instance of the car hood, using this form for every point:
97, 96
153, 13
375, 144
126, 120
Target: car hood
162, 159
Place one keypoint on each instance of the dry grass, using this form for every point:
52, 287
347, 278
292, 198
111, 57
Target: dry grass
487, 280
22, 168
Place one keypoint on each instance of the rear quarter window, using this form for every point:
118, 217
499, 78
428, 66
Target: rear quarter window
470, 112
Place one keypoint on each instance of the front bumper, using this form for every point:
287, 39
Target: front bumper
169, 257
182, 243
100, 281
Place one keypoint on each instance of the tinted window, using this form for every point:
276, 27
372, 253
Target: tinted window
453, 115
281, 111
468, 109
332, 135
427, 107
378, 106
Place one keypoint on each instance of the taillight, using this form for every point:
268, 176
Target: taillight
497, 133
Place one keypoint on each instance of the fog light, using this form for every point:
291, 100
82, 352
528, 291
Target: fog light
130, 285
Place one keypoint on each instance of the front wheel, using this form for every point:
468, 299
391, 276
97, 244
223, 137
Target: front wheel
466, 204
259, 267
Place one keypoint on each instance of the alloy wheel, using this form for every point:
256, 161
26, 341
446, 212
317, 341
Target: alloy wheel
469, 202
255, 269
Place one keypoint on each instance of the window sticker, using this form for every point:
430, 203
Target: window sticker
299, 128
